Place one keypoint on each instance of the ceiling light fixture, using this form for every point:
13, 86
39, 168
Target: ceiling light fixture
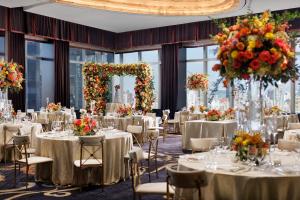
159, 7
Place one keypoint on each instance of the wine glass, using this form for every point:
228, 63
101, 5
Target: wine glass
56, 126
252, 154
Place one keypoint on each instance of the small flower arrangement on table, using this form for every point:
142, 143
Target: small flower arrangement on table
52, 107
203, 108
124, 110
246, 144
197, 82
85, 126
192, 109
229, 114
213, 115
274, 110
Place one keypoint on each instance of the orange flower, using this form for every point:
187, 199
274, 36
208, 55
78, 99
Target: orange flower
225, 83
240, 46
216, 67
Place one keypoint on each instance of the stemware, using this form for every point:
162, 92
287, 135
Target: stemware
56, 126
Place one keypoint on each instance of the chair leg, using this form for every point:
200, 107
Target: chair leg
156, 167
27, 169
15, 177
4, 155
149, 170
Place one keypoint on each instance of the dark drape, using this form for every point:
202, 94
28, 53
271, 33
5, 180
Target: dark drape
169, 74
62, 81
16, 52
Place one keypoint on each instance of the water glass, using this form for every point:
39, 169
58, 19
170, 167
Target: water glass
56, 126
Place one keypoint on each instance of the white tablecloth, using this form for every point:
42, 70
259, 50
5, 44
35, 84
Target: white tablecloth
28, 128
64, 150
206, 129
235, 181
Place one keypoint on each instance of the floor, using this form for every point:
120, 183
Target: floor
168, 153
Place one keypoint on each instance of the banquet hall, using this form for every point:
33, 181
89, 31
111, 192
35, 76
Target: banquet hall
150, 99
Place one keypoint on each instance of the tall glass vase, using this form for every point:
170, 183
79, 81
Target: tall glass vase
256, 106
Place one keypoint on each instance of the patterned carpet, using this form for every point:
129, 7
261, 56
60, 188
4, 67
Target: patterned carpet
168, 152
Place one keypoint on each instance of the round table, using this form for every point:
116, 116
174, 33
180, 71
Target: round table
64, 149
235, 181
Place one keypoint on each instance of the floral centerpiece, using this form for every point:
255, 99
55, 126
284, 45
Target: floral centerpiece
192, 109
246, 144
274, 110
258, 46
52, 107
203, 108
124, 110
229, 114
84, 126
197, 82
213, 115
11, 76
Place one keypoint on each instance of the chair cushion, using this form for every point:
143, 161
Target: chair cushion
36, 160
89, 162
173, 121
154, 188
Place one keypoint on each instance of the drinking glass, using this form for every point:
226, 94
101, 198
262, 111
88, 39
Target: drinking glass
56, 126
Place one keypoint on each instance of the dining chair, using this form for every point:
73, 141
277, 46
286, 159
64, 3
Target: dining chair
184, 179
91, 145
184, 116
137, 133
174, 123
139, 188
9, 131
21, 143
153, 139
202, 144
292, 126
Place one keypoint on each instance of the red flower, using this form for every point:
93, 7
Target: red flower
244, 31
249, 54
272, 60
245, 76
77, 122
268, 27
254, 64
265, 56
240, 46
237, 64
87, 129
216, 67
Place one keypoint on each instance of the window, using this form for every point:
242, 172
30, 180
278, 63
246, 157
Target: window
2, 48
39, 74
201, 60
127, 83
77, 58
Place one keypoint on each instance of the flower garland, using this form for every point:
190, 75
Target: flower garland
96, 77
197, 81
258, 46
11, 76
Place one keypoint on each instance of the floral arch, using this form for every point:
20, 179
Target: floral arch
97, 76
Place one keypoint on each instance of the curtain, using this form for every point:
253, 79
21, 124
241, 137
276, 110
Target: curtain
169, 74
16, 52
62, 81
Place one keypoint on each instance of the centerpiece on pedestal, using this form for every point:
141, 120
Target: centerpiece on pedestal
85, 126
229, 114
274, 110
198, 82
124, 110
257, 49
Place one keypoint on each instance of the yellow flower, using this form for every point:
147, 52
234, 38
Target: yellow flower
234, 54
238, 140
273, 50
251, 45
258, 23
269, 36
290, 54
246, 142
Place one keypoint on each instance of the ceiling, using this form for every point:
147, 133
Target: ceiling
122, 22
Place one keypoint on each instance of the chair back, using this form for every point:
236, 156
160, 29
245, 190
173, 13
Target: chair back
21, 142
202, 144
9, 131
91, 145
288, 145
135, 129
184, 116
135, 157
185, 179
292, 126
